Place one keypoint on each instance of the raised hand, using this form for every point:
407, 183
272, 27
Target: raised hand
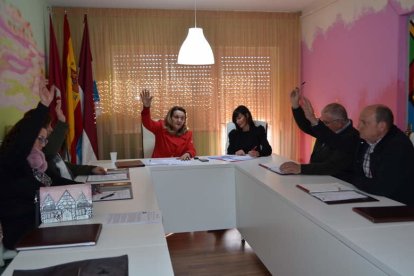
59, 112
46, 96
308, 110
146, 98
295, 97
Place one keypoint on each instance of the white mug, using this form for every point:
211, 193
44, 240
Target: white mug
113, 156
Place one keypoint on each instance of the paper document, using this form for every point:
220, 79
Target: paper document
107, 177
324, 187
142, 217
111, 191
232, 158
273, 166
338, 196
166, 162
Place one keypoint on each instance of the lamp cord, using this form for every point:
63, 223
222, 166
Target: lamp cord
195, 13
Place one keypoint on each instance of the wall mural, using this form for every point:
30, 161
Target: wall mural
21, 60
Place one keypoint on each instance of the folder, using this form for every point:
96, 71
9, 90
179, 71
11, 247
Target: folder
386, 213
129, 164
61, 236
335, 193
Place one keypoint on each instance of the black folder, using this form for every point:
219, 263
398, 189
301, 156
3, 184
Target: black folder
60, 236
386, 213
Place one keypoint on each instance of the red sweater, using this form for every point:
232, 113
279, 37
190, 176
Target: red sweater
166, 144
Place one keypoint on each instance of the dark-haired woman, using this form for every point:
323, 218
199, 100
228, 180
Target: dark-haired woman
23, 171
172, 137
247, 138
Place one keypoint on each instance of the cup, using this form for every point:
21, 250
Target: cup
113, 156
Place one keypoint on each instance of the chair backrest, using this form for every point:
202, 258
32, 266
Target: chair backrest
5, 254
148, 142
230, 126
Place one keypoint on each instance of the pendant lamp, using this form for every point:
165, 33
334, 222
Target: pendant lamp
195, 49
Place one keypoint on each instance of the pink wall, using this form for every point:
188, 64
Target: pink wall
358, 64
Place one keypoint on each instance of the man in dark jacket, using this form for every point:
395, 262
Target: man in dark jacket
385, 158
336, 139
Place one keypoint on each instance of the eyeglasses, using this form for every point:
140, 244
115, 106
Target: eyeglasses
42, 140
330, 122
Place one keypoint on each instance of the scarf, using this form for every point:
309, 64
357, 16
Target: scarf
37, 160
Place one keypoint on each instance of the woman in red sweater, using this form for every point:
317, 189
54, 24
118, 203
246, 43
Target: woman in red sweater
172, 137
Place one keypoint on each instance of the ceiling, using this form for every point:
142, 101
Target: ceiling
224, 5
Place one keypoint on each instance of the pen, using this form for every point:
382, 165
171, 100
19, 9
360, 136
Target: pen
107, 196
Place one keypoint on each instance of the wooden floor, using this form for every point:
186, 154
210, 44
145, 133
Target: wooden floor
219, 252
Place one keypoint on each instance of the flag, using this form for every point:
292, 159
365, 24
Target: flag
73, 97
411, 77
55, 73
89, 136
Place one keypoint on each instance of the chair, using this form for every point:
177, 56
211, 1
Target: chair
148, 142
230, 126
5, 254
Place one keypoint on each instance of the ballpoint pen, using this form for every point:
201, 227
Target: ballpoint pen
107, 196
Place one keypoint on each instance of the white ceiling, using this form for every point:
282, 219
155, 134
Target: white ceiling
227, 5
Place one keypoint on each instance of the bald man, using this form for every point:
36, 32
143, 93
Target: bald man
385, 159
336, 139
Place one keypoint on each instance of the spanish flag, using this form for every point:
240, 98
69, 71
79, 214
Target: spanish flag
73, 97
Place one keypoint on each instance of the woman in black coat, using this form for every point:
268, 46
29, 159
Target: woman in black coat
247, 138
22, 171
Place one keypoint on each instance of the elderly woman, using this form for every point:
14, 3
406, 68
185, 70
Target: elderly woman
22, 171
172, 137
247, 138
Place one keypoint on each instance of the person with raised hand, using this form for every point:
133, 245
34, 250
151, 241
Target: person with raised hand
23, 170
336, 139
172, 136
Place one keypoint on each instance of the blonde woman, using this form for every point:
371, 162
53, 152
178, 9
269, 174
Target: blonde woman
172, 137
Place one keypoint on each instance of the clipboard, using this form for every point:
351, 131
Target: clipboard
338, 196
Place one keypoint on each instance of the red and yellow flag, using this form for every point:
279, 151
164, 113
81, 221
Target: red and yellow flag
73, 97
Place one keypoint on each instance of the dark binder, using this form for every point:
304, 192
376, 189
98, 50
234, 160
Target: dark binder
60, 236
129, 164
104, 266
386, 213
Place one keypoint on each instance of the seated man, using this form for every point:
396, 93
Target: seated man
336, 139
385, 159
56, 137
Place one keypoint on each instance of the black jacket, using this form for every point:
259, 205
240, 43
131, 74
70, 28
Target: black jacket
392, 167
255, 138
18, 185
333, 153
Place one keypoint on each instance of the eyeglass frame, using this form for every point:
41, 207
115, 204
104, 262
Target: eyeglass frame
329, 122
42, 140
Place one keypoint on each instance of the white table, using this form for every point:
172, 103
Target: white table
292, 232
145, 244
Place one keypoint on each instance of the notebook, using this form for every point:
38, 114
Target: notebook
65, 203
129, 164
61, 236
386, 213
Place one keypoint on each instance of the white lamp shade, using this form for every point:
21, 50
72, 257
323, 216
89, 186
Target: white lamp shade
195, 49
